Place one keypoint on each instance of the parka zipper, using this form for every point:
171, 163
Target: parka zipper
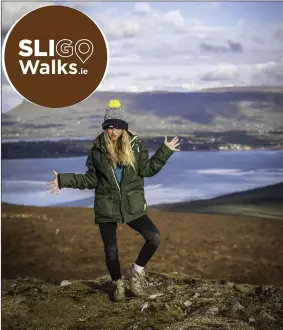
116, 181
113, 174
118, 188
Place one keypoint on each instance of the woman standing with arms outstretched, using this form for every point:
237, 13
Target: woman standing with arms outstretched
117, 164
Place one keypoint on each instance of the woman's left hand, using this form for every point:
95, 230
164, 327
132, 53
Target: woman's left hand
173, 144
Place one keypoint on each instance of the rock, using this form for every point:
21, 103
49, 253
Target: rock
153, 296
188, 303
226, 283
251, 320
237, 307
267, 316
212, 311
144, 306
196, 295
65, 282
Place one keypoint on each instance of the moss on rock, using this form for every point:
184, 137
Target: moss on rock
183, 302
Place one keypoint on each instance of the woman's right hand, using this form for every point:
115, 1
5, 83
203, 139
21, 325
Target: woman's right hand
54, 187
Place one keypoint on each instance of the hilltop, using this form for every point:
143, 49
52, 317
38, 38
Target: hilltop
175, 301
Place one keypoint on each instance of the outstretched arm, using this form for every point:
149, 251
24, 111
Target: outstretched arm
151, 166
80, 181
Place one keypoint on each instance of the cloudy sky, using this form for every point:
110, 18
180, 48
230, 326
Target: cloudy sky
178, 46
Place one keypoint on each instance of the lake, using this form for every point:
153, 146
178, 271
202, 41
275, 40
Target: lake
186, 176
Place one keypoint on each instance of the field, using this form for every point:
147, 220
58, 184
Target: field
64, 243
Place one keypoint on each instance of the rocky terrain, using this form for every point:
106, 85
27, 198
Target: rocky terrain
175, 301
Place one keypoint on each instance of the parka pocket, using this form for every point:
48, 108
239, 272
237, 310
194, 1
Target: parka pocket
104, 206
136, 202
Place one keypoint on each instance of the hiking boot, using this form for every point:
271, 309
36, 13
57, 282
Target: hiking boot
119, 290
137, 281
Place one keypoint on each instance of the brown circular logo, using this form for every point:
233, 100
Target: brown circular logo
55, 56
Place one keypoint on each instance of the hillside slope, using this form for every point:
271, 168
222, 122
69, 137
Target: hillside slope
264, 202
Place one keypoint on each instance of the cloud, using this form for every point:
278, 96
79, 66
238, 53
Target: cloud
229, 47
154, 48
10, 98
117, 74
119, 29
269, 73
141, 8
266, 73
175, 20
12, 11
222, 72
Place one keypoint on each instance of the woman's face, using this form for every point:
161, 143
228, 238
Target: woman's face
114, 133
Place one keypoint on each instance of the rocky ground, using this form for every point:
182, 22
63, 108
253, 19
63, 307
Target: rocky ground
175, 301
228, 272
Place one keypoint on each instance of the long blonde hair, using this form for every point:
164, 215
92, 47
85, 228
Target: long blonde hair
120, 152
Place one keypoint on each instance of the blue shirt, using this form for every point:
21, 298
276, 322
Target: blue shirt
119, 170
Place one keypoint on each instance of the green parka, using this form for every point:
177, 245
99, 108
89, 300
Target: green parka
116, 202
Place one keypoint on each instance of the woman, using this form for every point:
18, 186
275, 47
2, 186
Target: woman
117, 164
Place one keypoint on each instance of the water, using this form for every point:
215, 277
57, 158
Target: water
186, 176
51, 138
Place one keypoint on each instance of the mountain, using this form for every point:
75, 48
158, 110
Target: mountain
156, 113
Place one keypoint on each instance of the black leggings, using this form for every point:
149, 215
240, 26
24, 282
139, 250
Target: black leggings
145, 227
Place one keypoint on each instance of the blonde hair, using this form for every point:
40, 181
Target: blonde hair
120, 152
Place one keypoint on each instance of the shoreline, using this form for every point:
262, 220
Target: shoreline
48, 150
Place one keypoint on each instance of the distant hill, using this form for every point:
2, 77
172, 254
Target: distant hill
275, 89
156, 113
263, 202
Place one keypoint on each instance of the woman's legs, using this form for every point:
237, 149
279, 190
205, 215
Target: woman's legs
109, 236
151, 235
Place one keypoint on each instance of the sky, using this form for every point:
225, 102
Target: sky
177, 46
